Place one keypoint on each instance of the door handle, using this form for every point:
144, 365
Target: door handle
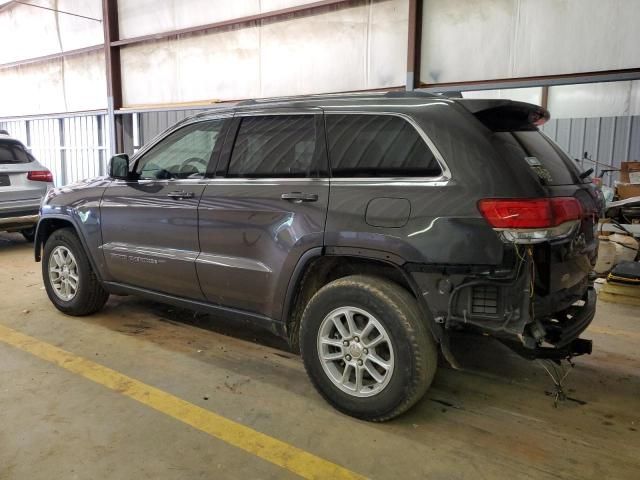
180, 195
299, 197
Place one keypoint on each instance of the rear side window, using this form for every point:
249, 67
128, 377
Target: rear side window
547, 160
277, 146
13, 152
377, 146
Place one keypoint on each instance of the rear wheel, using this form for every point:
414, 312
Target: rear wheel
366, 348
69, 280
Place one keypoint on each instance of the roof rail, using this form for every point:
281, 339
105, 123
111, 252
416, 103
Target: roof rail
409, 93
313, 96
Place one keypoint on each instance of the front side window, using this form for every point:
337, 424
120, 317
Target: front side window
184, 154
377, 146
276, 146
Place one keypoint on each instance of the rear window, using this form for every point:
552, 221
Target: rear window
13, 152
546, 159
377, 146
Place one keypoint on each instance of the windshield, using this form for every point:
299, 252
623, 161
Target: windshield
12, 152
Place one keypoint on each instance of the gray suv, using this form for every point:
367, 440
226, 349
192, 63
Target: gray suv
23, 184
364, 229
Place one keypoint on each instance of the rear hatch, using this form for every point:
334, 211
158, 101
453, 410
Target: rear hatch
563, 262
15, 164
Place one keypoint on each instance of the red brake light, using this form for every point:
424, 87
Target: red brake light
530, 213
40, 176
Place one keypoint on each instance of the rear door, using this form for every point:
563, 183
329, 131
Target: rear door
264, 210
150, 226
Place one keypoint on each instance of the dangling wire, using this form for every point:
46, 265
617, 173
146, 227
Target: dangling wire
558, 376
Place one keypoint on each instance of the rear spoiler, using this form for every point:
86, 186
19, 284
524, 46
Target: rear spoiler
506, 115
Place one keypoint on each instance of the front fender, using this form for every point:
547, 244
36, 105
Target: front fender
76, 206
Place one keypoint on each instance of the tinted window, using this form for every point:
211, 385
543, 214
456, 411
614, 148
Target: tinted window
377, 146
13, 152
276, 146
183, 154
547, 160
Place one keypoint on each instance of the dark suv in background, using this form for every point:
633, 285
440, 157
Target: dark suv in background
363, 228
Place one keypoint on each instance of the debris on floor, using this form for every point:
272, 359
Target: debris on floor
623, 284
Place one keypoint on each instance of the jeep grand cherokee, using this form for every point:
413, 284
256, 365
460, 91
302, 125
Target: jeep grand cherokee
362, 228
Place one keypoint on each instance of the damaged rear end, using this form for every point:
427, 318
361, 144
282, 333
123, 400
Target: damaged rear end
541, 298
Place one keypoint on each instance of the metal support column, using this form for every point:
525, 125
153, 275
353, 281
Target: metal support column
114, 78
63, 152
414, 44
544, 100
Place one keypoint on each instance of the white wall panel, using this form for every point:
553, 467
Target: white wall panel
567, 36
595, 100
466, 40
529, 95
388, 44
326, 52
78, 32
142, 17
27, 32
85, 82
344, 49
199, 67
73, 84
33, 88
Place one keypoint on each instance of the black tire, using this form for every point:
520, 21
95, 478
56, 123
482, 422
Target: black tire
29, 234
415, 351
90, 296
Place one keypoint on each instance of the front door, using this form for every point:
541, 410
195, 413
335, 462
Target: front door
150, 226
265, 209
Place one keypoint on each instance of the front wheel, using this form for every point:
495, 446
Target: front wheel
366, 347
69, 280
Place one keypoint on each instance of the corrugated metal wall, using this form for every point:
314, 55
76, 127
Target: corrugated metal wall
608, 141
72, 147
151, 124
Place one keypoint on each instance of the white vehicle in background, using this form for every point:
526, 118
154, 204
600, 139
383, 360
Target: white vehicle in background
23, 183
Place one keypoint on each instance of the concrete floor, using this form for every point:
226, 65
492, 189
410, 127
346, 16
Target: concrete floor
492, 420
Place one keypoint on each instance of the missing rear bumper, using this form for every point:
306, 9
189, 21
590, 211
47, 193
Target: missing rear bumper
575, 348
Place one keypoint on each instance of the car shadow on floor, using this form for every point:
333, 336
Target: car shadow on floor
11, 241
492, 375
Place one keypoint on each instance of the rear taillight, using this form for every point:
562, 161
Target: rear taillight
532, 220
40, 176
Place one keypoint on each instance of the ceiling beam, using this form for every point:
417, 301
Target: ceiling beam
536, 81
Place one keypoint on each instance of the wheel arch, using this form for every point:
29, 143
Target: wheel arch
317, 268
48, 225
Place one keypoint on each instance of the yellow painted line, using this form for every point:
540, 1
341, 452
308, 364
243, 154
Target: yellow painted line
268, 448
613, 331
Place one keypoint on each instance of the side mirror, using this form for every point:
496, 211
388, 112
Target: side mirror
119, 167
